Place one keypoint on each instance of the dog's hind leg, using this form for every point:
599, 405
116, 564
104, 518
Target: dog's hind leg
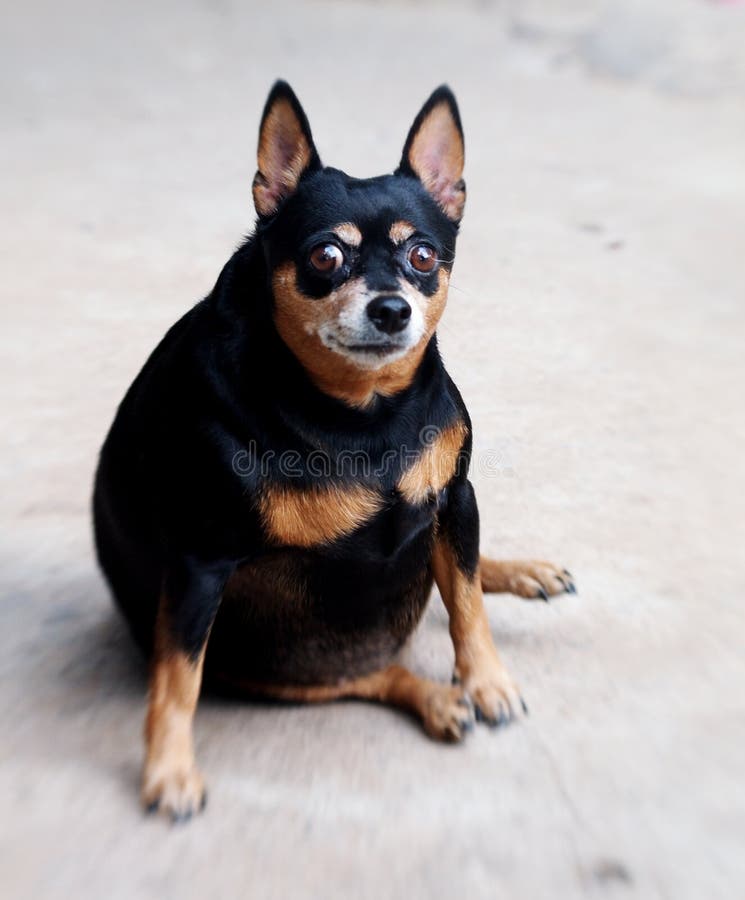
531, 579
444, 710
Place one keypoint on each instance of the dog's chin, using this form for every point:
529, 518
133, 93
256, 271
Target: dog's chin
369, 354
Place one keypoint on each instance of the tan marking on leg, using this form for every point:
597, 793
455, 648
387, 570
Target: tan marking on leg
435, 466
444, 709
171, 780
306, 517
401, 231
477, 663
532, 579
349, 233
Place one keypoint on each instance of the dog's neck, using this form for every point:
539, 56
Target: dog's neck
362, 388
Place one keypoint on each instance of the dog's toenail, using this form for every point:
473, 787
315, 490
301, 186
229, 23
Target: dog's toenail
180, 818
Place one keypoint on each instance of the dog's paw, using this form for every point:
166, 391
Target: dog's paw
448, 713
179, 792
496, 697
537, 580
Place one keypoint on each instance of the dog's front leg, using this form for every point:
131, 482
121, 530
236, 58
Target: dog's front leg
455, 564
171, 780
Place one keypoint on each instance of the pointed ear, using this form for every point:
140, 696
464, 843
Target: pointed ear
435, 154
286, 150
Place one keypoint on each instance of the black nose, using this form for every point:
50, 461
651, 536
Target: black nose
390, 314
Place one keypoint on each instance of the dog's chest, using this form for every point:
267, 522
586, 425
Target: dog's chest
346, 570
399, 488
316, 614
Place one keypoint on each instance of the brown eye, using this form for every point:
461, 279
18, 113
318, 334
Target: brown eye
422, 258
326, 258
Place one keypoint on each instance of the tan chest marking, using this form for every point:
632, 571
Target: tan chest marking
435, 466
311, 516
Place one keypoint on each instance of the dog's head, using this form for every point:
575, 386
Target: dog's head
359, 268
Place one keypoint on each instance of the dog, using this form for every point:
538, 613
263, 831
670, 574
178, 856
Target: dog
288, 474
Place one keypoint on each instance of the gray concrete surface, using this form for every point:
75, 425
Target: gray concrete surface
596, 329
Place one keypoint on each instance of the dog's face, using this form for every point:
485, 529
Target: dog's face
359, 268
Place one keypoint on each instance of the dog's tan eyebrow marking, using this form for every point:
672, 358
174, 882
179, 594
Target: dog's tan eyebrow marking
401, 231
349, 233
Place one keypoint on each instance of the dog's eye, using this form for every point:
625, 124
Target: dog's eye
422, 258
326, 258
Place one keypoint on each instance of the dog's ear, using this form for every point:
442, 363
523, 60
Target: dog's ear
286, 150
434, 152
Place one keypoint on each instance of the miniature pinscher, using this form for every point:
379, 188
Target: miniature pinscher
288, 474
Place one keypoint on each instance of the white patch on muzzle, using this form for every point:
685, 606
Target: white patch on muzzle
353, 334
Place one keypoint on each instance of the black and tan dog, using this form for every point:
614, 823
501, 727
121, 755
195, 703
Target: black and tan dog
288, 473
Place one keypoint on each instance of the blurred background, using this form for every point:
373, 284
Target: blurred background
596, 329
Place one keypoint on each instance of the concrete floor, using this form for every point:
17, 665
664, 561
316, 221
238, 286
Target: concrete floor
596, 330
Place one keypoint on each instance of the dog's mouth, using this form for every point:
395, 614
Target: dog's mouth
374, 349
377, 348
367, 347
